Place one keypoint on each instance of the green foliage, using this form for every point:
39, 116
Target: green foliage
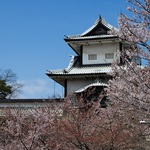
4, 89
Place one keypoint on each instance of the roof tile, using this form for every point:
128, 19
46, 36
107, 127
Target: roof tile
75, 67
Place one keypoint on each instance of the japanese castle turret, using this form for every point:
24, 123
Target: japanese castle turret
96, 49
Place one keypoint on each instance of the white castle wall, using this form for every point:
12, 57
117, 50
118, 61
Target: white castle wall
100, 50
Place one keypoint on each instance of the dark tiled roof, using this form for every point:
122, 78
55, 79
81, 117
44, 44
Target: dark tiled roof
29, 100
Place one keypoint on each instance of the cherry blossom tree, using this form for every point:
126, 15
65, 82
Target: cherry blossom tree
30, 130
100, 128
130, 86
83, 126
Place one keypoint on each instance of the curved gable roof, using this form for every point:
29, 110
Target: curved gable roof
91, 85
100, 24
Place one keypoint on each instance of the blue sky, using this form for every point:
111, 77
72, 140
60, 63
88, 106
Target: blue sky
32, 32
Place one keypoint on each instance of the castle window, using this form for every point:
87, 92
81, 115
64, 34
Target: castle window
92, 57
109, 56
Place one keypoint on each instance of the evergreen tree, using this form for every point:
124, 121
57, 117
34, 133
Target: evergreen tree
4, 89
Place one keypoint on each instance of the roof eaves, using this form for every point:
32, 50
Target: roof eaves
93, 37
75, 74
57, 71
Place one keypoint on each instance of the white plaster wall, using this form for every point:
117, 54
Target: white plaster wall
100, 50
23, 105
76, 84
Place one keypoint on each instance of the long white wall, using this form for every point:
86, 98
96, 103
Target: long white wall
100, 50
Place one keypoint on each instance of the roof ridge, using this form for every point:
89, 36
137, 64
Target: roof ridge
72, 63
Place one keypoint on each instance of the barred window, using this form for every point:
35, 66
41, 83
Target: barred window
109, 56
92, 57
